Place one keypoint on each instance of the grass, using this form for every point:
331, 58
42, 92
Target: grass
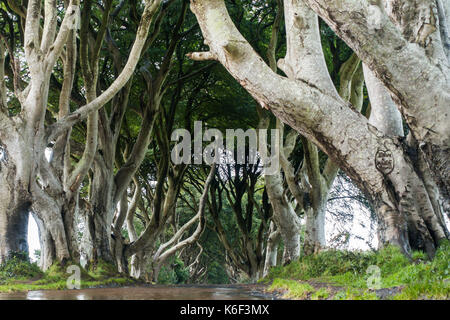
349, 272
320, 294
18, 274
294, 289
353, 294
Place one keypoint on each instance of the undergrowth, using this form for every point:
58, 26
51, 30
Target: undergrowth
19, 274
416, 279
19, 267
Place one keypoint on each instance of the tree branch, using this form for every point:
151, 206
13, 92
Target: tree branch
122, 79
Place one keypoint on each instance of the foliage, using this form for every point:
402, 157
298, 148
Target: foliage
174, 273
19, 267
353, 294
321, 294
216, 274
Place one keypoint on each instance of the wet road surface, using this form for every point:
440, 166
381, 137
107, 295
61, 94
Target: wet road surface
157, 292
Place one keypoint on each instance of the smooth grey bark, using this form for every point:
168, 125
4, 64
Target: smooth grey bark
384, 114
443, 8
422, 205
15, 198
48, 251
133, 268
47, 210
321, 181
304, 60
101, 216
14, 212
315, 213
284, 216
273, 242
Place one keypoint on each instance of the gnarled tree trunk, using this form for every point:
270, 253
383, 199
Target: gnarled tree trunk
273, 242
285, 217
15, 198
100, 218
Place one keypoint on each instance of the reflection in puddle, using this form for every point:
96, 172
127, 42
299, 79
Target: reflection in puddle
81, 296
244, 292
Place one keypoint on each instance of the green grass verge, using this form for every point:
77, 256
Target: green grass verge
294, 289
419, 279
18, 274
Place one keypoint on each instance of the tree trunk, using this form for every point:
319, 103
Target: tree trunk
14, 227
14, 213
425, 226
285, 217
408, 216
101, 218
14, 194
22, 179
136, 266
384, 114
314, 230
406, 52
56, 219
48, 251
272, 249
47, 211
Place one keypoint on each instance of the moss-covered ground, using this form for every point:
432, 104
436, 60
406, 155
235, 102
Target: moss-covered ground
346, 275
18, 274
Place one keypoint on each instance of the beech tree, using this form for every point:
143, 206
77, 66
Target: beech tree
309, 184
158, 185
402, 58
109, 180
28, 180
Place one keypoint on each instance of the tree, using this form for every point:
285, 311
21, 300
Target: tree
169, 248
110, 179
310, 104
310, 188
28, 181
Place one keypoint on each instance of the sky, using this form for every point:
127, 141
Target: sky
33, 237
